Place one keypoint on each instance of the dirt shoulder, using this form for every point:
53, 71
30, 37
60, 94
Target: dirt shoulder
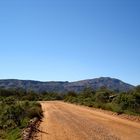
63, 121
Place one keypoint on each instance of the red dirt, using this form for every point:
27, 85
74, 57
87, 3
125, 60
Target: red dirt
63, 121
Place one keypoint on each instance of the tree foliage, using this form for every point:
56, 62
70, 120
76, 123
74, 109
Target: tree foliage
128, 102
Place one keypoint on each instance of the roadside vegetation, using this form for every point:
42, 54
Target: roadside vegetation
125, 102
23, 95
15, 116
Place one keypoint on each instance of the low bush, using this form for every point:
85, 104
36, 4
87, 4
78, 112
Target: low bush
128, 102
15, 115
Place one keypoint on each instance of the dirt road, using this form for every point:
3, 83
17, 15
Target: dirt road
63, 121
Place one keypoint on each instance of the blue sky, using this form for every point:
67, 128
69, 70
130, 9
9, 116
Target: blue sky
70, 40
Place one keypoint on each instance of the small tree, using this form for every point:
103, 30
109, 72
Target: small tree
88, 92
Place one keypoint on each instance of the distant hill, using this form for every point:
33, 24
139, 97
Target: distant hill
37, 86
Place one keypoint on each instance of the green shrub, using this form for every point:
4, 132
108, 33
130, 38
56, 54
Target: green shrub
14, 134
14, 117
35, 112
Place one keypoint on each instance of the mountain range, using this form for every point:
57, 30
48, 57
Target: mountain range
37, 86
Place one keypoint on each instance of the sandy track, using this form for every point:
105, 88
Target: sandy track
63, 121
